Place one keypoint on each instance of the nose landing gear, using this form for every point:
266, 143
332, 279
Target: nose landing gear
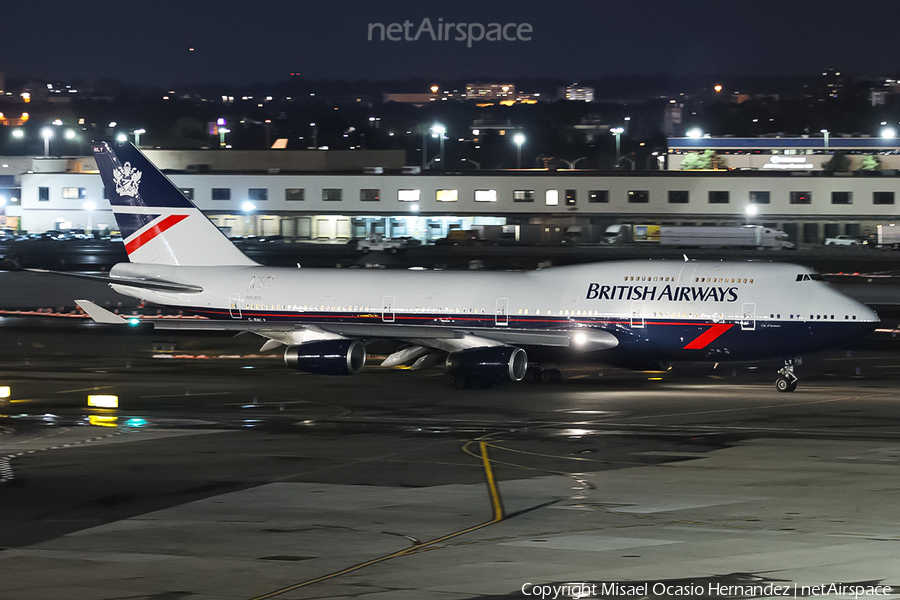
786, 381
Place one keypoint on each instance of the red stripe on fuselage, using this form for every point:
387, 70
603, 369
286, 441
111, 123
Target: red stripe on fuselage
708, 336
153, 232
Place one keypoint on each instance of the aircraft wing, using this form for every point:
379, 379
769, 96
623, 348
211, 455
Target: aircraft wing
438, 338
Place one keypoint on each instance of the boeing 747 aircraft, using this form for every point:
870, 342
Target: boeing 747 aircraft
486, 327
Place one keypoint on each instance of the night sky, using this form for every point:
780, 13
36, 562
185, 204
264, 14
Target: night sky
245, 42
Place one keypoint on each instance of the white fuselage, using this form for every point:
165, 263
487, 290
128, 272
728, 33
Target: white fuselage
765, 301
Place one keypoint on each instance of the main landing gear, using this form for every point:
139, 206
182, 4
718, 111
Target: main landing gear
536, 373
786, 381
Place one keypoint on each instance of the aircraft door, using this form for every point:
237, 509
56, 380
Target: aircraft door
637, 314
234, 305
687, 273
387, 310
748, 316
501, 314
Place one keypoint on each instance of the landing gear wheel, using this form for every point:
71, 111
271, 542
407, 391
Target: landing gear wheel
478, 383
783, 384
550, 375
786, 381
460, 382
532, 375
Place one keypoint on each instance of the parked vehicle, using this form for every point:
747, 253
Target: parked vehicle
843, 240
743, 236
746, 236
887, 236
376, 243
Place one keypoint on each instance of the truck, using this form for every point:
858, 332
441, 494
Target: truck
376, 243
887, 236
742, 236
626, 233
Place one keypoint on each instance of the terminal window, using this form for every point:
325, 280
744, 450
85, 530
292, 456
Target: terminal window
882, 197
638, 196
801, 197
188, 193
571, 196
842, 197
295, 194
408, 195
552, 198
523, 196
43, 194
332, 194
485, 195
258, 194
370, 195
73, 193
446, 195
221, 193
718, 197
598, 196
679, 196
759, 197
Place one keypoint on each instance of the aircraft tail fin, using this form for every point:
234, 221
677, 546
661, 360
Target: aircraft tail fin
159, 224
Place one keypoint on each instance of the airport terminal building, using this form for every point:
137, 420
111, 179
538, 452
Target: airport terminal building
534, 205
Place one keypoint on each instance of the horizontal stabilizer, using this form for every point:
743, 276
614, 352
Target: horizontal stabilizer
100, 314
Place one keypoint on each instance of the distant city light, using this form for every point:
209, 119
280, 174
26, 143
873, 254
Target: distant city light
18, 133
888, 133
695, 133
718, 88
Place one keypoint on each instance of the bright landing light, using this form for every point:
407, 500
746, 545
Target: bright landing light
103, 401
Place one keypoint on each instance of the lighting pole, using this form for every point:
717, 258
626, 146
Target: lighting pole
89, 206
46, 133
247, 208
438, 131
751, 211
315, 132
617, 131
137, 136
519, 139
572, 163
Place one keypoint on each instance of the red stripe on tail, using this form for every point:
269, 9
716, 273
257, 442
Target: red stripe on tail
154, 231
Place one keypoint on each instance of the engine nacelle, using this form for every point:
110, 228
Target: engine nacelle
492, 364
327, 357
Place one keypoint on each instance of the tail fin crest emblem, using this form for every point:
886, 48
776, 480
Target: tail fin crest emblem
127, 180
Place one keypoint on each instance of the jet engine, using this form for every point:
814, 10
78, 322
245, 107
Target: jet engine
327, 357
481, 367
